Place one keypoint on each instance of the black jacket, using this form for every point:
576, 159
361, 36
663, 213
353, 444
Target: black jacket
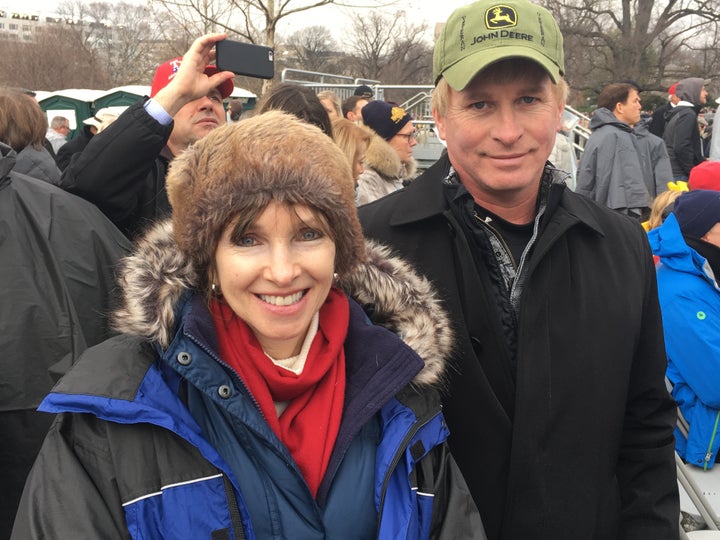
682, 139
122, 170
659, 119
578, 443
72, 147
57, 258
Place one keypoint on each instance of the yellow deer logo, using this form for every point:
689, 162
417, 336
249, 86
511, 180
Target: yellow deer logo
500, 17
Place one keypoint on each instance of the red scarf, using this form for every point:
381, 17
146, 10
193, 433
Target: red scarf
310, 424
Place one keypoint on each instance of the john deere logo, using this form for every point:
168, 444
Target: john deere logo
500, 17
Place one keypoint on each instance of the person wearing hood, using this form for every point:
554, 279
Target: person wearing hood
688, 246
389, 162
681, 135
249, 394
57, 261
610, 170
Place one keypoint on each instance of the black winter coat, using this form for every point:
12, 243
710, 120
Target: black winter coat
682, 139
122, 170
578, 443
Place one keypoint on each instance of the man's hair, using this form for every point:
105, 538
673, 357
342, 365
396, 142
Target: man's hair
613, 94
502, 72
300, 101
22, 122
349, 104
58, 122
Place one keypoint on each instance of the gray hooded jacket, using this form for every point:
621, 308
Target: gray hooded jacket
610, 170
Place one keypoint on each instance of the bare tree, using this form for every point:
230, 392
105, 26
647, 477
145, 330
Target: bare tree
641, 40
389, 48
312, 48
56, 59
254, 21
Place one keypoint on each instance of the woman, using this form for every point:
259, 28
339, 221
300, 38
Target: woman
389, 162
353, 140
298, 100
248, 396
23, 126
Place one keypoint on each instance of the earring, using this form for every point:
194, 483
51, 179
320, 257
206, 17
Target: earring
215, 289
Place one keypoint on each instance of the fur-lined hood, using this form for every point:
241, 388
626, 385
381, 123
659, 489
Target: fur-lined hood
157, 274
382, 158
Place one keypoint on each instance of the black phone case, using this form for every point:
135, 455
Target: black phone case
245, 59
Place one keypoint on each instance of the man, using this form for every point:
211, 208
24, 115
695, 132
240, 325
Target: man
612, 168
659, 117
682, 134
122, 170
389, 162
559, 416
688, 245
89, 129
352, 108
57, 133
364, 91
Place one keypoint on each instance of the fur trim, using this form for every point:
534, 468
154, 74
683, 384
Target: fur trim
383, 159
157, 274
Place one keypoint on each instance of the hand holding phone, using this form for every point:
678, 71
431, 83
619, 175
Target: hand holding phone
245, 59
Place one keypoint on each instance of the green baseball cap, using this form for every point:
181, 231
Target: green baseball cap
486, 32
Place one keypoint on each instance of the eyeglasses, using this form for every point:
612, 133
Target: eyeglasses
408, 136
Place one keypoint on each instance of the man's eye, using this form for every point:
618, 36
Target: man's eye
479, 105
528, 99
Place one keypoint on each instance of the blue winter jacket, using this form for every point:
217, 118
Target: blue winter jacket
158, 438
690, 303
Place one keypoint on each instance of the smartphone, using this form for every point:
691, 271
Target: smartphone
245, 59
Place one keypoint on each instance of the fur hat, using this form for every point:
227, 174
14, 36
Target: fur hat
238, 169
697, 212
384, 118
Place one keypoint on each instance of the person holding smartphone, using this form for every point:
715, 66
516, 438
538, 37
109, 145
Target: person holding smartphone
123, 169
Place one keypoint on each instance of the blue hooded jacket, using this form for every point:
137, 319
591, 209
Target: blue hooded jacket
690, 303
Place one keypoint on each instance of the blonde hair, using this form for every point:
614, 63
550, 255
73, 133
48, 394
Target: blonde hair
352, 139
333, 98
659, 205
502, 72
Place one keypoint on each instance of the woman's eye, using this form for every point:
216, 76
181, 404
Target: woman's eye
310, 234
246, 241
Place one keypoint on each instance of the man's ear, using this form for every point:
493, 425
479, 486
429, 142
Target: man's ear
439, 124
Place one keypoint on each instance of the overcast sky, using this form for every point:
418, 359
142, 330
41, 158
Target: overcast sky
428, 11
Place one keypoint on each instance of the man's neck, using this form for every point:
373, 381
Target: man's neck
518, 210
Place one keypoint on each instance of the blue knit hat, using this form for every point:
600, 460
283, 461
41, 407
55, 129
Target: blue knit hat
697, 212
384, 118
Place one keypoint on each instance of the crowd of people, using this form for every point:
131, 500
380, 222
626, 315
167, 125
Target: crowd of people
266, 324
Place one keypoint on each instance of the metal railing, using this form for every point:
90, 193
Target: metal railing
416, 100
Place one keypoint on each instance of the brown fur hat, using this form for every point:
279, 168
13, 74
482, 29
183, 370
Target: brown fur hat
238, 169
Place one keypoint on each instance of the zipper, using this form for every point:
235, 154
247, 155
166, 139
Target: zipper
417, 426
242, 384
712, 441
236, 377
